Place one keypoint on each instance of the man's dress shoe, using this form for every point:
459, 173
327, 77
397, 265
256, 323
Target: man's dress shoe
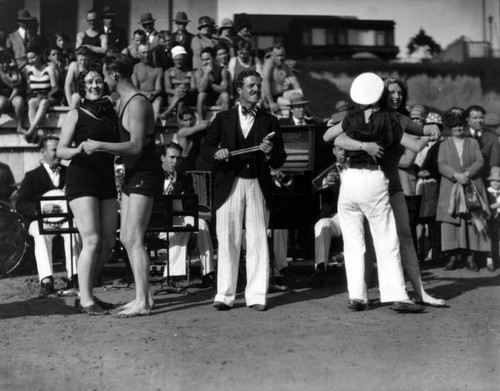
220, 306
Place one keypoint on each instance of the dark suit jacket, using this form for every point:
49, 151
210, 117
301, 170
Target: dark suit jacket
116, 39
223, 133
183, 184
490, 149
34, 185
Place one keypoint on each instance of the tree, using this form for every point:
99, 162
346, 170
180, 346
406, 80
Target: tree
425, 43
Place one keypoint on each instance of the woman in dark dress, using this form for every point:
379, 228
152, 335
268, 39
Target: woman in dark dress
90, 183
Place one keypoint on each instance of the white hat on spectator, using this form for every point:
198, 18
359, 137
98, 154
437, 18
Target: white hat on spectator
367, 88
177, 51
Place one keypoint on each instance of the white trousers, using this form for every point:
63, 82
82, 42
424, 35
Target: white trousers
365, 193
43, 251
324, 231
178, 250
244, 204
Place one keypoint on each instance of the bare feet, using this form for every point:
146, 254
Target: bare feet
21, 130
133, 311
151, 303
429, 300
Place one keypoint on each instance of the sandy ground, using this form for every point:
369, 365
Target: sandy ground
307, 340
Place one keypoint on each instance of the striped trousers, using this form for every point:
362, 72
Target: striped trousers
245, 205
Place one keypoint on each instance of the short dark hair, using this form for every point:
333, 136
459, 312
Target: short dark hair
45, 139
140, 32
240, 79
208, 49
185, 111
49, 49
404, 91
34, 49
474, 108
83, 51
171, 145
80, 79
219, 46
119, 63
243, 45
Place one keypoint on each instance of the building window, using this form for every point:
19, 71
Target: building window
380, 38
341, 37
318, 37
330, 37
361, 37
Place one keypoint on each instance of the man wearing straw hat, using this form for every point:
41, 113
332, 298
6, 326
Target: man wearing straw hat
243, 190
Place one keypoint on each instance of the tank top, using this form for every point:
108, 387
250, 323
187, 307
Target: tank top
89, 127
39, 84
239, 66
148, 160
93, 41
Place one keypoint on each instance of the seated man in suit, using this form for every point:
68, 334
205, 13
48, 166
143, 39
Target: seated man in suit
49, 175
177, 183
22, 38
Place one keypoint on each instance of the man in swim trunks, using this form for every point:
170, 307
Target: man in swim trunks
143, 174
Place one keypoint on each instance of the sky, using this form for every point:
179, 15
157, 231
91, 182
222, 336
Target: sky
444, 20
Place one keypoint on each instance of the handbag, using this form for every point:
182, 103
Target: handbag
472, 198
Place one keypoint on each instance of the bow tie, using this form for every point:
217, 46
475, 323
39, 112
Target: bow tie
251, 111
55, 169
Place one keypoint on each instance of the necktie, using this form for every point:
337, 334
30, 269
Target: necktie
251, 111
55, 168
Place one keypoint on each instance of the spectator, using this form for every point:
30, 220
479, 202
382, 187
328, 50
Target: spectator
163, 54
117, 40
227, 36
148, 79
178, 183
244, 34
182, 37
190, 137
83, 56
493, 192
42, 86
92, 38
54, 60
12, 89
277, 77
202, 40
180, 84
244, 60
221, 51
49, 175
212, 82
132, 51
488, 143
67, 54
7, 183
21, 39
460, 164
297, 105
148, 24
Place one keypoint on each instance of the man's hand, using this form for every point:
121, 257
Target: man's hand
222, 154
51, 208
266, 146
424, 174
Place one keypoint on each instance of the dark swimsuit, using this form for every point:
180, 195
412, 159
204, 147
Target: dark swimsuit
92, 175
143, 174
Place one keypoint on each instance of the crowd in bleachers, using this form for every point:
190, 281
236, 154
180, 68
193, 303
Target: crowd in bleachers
172, 68
183, 74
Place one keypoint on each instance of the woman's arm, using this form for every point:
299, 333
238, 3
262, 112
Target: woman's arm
68, 82
349, 144
414, 144
331, 133
64, 149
